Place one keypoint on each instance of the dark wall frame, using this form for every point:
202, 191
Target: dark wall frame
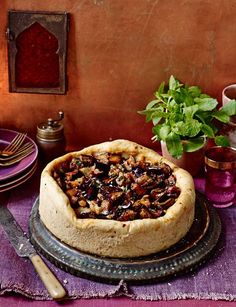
56, 23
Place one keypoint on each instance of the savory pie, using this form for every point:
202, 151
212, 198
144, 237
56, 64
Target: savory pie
116, 199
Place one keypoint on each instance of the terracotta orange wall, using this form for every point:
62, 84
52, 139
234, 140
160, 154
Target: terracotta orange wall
119, 51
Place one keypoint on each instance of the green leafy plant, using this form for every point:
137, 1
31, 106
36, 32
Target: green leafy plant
184, 117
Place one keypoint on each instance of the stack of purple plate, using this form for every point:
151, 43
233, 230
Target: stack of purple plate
16, 174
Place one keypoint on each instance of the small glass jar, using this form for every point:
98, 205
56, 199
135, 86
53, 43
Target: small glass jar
220, 170
50, 138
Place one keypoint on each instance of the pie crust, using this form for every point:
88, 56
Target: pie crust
112, 238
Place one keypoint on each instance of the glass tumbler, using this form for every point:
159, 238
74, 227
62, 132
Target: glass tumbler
220, 171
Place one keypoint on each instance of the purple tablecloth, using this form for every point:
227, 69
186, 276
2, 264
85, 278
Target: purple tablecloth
215, 280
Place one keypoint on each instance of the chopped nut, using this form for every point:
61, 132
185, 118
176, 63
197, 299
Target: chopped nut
87, 171
82, 203
120, 179
105, 205
115, 159
71, 192
116, 195
156, 213
127, 215
129, 163
144, 213
87, 160
144, 180
137, 204
145, 201
94, 207
77, 182
138, 189
102, 157
113, 172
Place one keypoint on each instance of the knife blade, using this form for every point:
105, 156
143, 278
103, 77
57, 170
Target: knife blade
24, 248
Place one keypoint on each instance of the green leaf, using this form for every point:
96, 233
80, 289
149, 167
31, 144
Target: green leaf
206, 104
200, 117
204, 96
161, 131
221, 140
148, 118
221, 116
161, 88
213, 127
190, 111
188, 101
164, 131
147, 113
208, 131
195, 91
229, 108
173, 105
142, 112
151, 104
172, 83
155, 130
156, 120
174, 145
189, 128
159, 113
194, 144
174, 96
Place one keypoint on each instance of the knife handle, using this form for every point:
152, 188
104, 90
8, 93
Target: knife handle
55, 289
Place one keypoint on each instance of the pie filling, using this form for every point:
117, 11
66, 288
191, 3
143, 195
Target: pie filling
116, 186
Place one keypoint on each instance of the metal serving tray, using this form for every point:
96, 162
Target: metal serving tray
189, 253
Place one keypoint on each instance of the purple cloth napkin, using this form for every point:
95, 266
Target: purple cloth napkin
215, 280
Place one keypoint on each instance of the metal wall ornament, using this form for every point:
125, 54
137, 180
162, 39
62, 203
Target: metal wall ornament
37, 50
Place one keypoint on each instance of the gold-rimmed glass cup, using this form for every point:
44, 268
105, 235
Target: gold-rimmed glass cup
220, 171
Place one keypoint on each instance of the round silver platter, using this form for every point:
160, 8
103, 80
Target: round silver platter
186, 255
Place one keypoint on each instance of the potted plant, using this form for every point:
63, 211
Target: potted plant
184, 118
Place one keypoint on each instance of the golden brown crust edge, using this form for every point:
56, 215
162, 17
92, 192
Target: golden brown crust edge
109, 237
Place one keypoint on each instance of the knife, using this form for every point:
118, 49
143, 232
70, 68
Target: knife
24, 248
